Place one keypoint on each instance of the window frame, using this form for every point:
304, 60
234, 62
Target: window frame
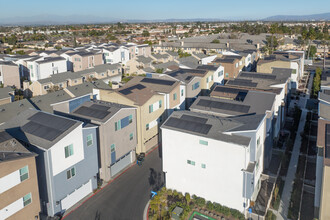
26, 200
23, 174
72, 173
69, 152
90, 135
112, 148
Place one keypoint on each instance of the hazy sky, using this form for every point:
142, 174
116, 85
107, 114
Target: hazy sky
155, 9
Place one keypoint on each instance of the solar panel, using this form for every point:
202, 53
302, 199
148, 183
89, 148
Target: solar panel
188, 125
158, 81
91, 112
194, 119
52, 121
258, 76
129, 89
41, 131
242, 82
100, 107
229, 90
224, 106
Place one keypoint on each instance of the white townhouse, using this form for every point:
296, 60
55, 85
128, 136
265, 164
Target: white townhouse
67, 162
44, 67
219, 159
115, 54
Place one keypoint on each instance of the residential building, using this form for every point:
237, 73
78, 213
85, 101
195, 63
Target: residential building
7, 95
117, 134
229, 102
277, 82
40, 68
292, 60
116, 54
19, 194
149, 106
85, 60
9, 74
67, 157
231, 65
201, 151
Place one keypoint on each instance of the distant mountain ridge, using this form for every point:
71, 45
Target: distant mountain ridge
49, 19
313, 17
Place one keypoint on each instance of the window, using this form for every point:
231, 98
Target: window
227, 74
211, 77
68, 151
203, 165
147, 127
151, 108
27, 199
160, 103
112, 148
89, 140
195, 86
131, 136
203, 142
258, 141
130, 118
174, 96
220, 73
181, 92
207, 79
46, 87
70, 173
24, 173
117, 125
191, 162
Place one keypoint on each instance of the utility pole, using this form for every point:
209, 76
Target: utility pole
324, 56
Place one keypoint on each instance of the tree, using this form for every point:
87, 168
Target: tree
145, 33
215, 41
311, 36
312, 51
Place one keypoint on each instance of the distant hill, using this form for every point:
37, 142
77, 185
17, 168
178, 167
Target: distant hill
314, 17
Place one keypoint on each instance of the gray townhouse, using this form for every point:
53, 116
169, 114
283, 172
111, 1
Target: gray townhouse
117, 134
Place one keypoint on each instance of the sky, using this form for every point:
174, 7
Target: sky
165, 9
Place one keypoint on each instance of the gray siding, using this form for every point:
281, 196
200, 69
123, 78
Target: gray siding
85, 170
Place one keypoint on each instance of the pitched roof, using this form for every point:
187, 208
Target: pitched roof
39, 128
87, 87
204, 125
158, 85
11, 149
186, 75
98, 111
138, 93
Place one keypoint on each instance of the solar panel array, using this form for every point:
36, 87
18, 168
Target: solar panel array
92, 112
47, 126
242, 82
229, 90
188, 125
129, 89
158, 81
258, 76
194, 118
224, 106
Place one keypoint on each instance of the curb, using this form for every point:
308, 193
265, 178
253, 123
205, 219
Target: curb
129, 167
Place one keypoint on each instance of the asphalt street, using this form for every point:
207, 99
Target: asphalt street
127, 196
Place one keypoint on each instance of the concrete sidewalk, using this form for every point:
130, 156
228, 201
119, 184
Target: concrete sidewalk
286, 194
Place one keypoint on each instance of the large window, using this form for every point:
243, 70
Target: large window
24, 173
68, 151
122, 123
27, 199
195, 86
220, 73
70, 173
89, 140
174, 96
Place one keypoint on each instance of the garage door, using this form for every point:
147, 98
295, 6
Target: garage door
121, 164
77, 195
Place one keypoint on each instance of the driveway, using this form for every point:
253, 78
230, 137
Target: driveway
127, 196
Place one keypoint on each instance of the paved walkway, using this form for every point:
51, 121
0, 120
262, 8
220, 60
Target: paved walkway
286, 194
